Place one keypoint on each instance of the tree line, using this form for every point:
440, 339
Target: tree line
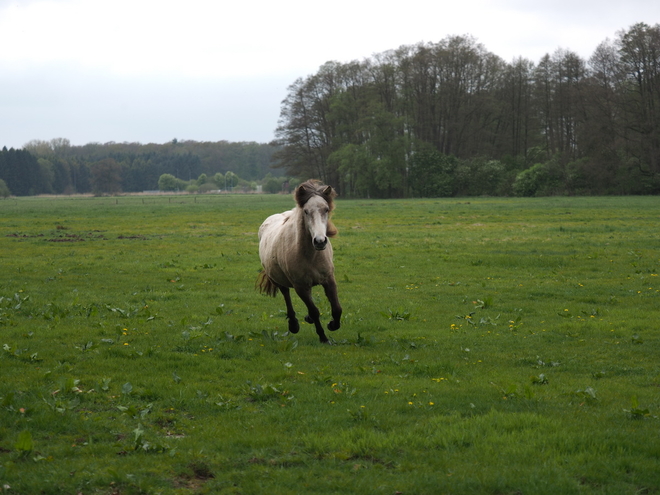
432, 119
57, 167
450, 118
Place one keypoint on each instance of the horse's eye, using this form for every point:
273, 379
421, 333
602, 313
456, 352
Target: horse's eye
306, 212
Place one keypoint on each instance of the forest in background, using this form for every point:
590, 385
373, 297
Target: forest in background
452, 119
57, 167
432, 119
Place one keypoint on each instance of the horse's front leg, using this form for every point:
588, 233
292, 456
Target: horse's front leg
294, 326
313, 314
331, 293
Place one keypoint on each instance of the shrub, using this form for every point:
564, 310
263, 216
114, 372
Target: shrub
272, 186
528, 182
4, 190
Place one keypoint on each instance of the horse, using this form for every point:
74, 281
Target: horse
296, 254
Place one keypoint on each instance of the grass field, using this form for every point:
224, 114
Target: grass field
496, 346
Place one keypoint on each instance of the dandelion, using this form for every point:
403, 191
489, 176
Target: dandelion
431, 404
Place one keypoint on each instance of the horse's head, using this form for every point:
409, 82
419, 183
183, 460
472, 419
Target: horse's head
316, 202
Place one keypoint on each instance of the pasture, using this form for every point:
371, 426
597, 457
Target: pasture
496, 346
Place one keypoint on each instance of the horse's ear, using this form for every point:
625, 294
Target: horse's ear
301, 195
329, 192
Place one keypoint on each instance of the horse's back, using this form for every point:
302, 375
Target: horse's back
273, 224
271, 232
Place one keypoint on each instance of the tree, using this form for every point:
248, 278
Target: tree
231, 180
356, 166
296, 133
47, 172
517, 129
106, 177
432, 173
167, 182
639, 49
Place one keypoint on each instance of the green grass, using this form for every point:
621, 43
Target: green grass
492, 346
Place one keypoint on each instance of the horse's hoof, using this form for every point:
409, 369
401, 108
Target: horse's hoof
332, 326
294, 326
309, 320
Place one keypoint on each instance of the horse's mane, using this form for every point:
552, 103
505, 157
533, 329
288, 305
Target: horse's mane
314, 188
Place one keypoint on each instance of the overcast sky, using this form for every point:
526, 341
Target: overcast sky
150, 71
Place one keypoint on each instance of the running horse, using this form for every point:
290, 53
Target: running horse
296, 254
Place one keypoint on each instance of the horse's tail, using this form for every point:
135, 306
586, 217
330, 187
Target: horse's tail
266, 285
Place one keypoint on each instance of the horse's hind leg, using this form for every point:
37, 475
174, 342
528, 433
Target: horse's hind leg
294, 326
313, 315
335, 307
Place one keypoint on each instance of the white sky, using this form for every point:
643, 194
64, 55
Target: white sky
154, 70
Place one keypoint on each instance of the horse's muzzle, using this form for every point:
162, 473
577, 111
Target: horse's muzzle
320, 243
